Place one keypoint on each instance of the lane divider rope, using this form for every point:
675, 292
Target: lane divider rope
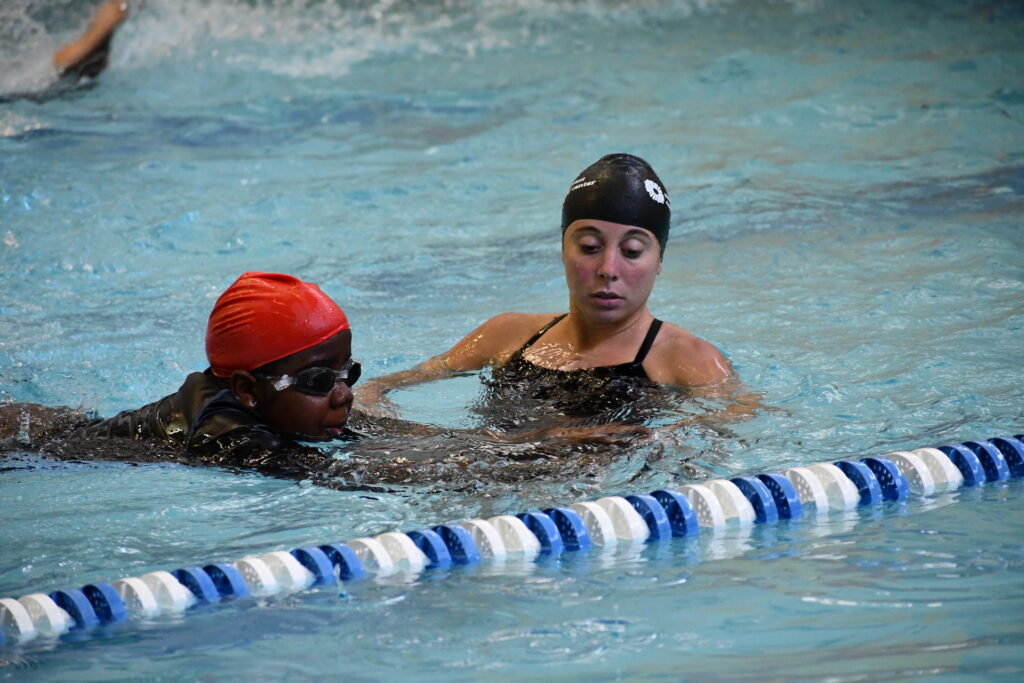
605, 523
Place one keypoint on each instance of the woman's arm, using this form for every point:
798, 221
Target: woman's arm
490, 343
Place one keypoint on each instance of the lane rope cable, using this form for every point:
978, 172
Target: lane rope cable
585, 526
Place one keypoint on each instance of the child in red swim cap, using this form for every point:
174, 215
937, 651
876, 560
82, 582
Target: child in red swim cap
281, 370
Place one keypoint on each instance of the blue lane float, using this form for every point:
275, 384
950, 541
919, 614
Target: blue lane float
543, 527
864, 479
108, 605
639, 518
570, 528
344, 561
227, 580
1013, 451
74, 602
681, 517
199, 582
317, 562
892, 482
461, 546
654, 515
992, 460
787, 501
760, 498
433, 546
967, 462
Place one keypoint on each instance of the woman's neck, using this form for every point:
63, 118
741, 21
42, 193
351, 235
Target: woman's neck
589, 335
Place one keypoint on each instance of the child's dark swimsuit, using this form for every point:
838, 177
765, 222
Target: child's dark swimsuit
599, 395
203, 418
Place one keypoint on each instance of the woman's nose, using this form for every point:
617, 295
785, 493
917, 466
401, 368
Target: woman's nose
608, 269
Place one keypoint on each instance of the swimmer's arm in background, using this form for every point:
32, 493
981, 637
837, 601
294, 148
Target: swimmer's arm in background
96, 38
490, 343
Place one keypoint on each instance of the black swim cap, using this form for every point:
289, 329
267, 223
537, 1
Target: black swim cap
620, 188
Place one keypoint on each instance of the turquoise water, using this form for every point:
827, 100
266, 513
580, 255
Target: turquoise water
847, 185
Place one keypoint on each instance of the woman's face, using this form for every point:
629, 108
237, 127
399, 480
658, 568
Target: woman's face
303, 415
610, 268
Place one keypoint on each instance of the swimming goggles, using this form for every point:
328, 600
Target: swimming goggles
317, 381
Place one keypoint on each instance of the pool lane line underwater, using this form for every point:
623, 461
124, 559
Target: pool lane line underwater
607, 522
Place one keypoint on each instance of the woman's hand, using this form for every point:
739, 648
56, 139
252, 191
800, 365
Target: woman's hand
371, 398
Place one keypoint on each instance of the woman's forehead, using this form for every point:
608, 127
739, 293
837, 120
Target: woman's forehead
601, 228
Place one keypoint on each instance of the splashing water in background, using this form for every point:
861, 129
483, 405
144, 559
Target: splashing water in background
320, 39
846, 183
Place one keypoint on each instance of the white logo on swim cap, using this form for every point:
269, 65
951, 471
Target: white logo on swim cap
654, 189
580, 183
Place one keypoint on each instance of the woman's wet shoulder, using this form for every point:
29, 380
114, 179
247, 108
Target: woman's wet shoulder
508, 332
682, 358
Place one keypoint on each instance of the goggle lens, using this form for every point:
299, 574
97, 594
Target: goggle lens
321, 381
318, 381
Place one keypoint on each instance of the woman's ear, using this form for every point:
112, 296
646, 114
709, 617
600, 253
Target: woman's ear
243, 385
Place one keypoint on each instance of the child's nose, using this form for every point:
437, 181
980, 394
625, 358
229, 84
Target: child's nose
341, 394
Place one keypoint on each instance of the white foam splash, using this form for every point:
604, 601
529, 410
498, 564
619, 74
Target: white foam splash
299, 38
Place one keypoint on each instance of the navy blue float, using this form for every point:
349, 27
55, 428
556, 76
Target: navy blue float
991, 460
228, 580
105, 601
1012, 449
787, 500
863, 479
890, 479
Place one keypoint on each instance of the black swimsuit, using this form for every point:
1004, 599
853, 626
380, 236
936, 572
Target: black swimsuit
598, 395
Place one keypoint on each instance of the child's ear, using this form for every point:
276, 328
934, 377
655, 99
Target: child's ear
243, 385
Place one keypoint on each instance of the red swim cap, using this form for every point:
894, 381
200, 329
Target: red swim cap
263, 317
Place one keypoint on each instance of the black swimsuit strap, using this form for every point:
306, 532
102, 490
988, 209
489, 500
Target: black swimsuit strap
641, 354
540, 333
652, 332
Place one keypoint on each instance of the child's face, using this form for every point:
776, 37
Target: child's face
303, 415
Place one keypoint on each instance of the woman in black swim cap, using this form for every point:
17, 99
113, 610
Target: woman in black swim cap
615, 225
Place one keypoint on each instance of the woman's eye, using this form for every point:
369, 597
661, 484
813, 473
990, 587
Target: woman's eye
632, 253
589, 248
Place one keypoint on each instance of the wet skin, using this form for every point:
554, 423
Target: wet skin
289, 411
610, 270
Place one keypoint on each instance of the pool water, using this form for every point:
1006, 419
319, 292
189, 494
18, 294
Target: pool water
847, 180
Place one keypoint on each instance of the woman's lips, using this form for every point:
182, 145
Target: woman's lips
606, 299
